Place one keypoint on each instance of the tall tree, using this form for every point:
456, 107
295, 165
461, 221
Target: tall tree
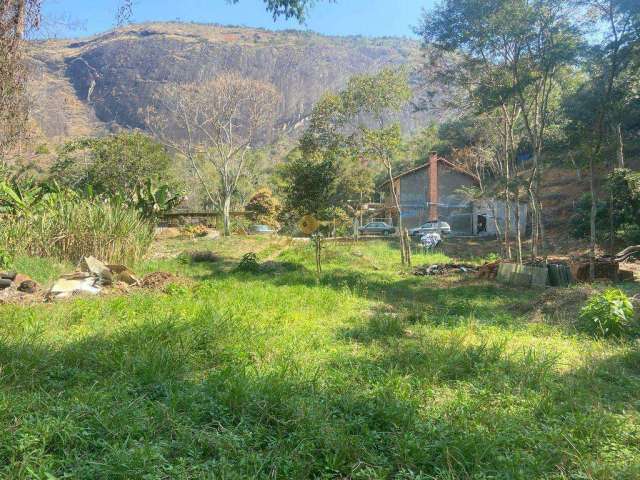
215, 123
598, 106
360, 120
17, 17
506, 55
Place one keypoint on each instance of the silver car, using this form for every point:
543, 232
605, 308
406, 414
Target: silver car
438, 226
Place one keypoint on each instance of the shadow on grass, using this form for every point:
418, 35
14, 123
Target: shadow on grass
185, 398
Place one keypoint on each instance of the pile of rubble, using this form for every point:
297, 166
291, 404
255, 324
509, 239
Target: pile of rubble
90, 278
444, 269
17, 288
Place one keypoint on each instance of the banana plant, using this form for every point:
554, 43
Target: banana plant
152, 201
17, 199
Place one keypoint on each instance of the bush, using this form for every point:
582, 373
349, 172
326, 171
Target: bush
264, 208
195, 231
609, 314
71, 228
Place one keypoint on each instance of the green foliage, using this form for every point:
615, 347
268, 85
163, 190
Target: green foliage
6, 259
152, 201
608, 314
19, 197
111, 165
70, 228
264, 208
309, 184
624, 184
249, 263
405, 377
580, 220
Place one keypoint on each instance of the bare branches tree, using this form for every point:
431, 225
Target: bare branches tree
17, 17
215, 123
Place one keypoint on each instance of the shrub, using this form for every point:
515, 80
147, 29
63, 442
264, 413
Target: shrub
195, 231
609, 314
6, 260
70, 228
264, 208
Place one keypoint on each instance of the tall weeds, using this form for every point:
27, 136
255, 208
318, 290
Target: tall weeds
72, 228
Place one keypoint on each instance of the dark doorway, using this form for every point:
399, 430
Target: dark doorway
482, 224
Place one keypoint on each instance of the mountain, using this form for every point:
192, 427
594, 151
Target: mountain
101, 83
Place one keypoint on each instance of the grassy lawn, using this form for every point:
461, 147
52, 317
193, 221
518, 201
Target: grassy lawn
369, 373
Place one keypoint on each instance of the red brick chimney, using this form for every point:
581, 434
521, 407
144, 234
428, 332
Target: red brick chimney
434, 196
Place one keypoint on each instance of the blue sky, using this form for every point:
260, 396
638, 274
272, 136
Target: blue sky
345, 17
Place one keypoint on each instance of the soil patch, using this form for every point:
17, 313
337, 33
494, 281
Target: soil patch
158, 280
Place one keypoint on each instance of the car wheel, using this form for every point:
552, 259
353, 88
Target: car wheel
387, 233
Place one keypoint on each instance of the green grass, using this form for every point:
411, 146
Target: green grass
368, 373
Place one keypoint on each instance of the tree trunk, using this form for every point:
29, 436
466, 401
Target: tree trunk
518, 230
226, 215
620, 148
397, 205
592, 223
507, 224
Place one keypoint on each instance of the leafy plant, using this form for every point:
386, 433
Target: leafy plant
609, 314
152, 201
6, 260
68, 227
249, 263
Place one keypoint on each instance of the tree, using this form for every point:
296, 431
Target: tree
215, 123
113, 164
358, 122
506, 57
16, 18
595, 110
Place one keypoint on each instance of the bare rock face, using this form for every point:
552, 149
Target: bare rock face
103, 83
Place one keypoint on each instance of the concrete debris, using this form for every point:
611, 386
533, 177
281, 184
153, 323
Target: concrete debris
91, 278
120, 273
66, 287
444, 269
97, 269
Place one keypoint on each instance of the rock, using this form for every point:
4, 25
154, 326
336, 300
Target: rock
5, 283
8, 275
122, 274
28, 286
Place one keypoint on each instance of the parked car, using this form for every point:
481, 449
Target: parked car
377, 228
261, 230
443, 228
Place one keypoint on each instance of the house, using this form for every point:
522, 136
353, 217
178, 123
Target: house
433, 191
